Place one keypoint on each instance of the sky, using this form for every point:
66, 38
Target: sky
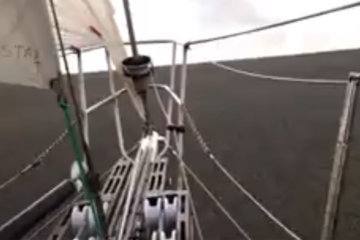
184, 20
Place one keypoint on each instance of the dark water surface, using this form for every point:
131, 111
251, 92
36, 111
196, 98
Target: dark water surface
276, 138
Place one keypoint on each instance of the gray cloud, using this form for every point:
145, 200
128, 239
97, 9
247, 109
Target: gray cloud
232, 12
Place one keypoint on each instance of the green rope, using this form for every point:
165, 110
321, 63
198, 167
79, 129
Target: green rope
79, 158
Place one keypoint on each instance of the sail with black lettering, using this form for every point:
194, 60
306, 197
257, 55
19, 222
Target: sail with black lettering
28, 54
28, 48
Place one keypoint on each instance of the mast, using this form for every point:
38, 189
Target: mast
138, 67
130, 28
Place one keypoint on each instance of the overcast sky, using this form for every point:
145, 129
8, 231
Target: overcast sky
184, 20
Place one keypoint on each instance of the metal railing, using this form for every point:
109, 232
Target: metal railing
112, 98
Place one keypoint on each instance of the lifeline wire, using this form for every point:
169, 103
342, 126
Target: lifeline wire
81, 146
167, 117
279, 78
69, 205
275, 25
211, 195
251, 197
39, 159
211, 156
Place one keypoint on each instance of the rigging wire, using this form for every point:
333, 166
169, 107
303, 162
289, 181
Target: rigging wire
159, 100
275, 25
139, 194
64, 209
192, 206
117, 116
211, 195
163, 111
278, 78
135, 177
211, 156
89, 190
69, 83
183, 173
39, 159
250, 196
68, 206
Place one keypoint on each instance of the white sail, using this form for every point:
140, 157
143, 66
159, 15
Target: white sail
27, 49
89, 23
28, 52
80, 25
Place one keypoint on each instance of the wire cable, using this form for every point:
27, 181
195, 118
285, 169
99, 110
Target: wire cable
192, 206
39, 159
211, 195
159, 100
79, 145
183, 173
279, 78
211, 156
163, 111
251, 197
68, 206
276, 25
187, 186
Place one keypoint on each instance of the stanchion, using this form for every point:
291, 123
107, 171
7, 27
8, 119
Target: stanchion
340, 156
